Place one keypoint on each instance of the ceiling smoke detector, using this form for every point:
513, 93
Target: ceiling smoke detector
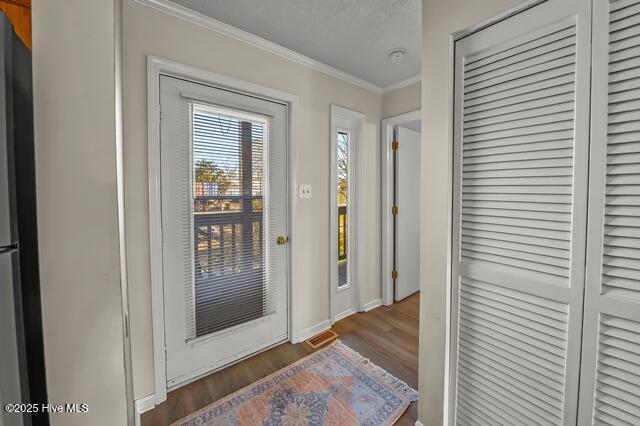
397, 54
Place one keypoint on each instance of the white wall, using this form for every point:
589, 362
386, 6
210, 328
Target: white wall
439, 19
404, 99
73, 70
148, 31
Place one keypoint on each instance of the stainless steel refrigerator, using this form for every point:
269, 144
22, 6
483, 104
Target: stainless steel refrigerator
22, 370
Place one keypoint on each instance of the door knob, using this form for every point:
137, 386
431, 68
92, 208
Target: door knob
282, 240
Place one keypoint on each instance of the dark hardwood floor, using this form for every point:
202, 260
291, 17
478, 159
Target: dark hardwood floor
387, 335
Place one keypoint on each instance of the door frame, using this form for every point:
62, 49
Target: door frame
387, 198
155, 68
355, 198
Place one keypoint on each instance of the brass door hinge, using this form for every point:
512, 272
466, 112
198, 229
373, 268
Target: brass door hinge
394, 145
394, 210
394, 274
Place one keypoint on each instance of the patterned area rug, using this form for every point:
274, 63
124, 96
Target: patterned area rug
333, 386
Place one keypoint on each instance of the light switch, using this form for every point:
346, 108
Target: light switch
305, 191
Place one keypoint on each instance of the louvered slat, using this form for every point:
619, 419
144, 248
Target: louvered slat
512, 352
618, 371
621, 269
512, 356
531, 49
522, 147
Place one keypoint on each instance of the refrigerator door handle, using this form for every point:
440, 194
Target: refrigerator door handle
11, 247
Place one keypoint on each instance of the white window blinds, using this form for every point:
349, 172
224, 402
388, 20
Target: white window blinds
230, 283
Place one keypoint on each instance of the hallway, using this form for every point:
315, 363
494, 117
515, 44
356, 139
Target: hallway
387, 335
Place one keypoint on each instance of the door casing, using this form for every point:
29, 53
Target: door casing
387, 198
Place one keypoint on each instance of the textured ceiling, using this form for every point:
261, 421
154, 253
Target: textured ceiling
354, 36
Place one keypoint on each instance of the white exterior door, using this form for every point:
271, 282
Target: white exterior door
408, 217
224, 207
610, 380
521, 148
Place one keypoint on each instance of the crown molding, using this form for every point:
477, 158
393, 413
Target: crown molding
246, 37
404, 83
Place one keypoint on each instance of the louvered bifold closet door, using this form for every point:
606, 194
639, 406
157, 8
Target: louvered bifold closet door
610, 382
519, 216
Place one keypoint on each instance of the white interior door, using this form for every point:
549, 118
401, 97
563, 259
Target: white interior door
408, 217
223, 177
521, 139
610, 380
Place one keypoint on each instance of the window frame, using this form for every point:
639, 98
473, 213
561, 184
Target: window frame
351, 122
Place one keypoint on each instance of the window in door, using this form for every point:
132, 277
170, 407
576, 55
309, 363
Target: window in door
228, 219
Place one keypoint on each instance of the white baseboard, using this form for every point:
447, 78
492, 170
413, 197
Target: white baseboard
313, 330
143, 405
418, 423
372, 304
345, 314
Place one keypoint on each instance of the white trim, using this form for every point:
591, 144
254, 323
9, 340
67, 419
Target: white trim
313, 330
344, 287
419, 423
404, 83
359, 233
448, 402
155, 229
387, 198
120, 191
519, 8
259, 42
143, 405
155, 67
292, 177
371, 305
343, 315
355, 234
346, 112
